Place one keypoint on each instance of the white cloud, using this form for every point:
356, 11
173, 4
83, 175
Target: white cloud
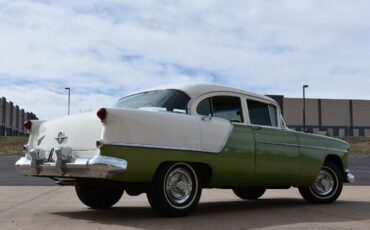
106, 49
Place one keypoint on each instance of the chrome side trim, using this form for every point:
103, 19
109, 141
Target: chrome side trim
323, 148
153, 146
219, 150
167, 147
278, 143
302, 146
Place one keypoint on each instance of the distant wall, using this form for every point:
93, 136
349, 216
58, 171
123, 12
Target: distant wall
12, 119
337, 117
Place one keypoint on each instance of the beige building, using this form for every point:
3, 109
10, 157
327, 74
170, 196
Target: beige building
335, 116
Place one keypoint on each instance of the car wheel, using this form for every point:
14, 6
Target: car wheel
175, 190
249, 193
327, 186
99, 197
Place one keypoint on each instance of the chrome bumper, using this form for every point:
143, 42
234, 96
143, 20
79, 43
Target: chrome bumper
103, 167
349, 177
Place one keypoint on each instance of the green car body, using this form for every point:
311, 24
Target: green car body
251, 157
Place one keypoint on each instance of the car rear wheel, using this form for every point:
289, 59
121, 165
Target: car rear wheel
175, 190
99, 197
327, 186
249, 193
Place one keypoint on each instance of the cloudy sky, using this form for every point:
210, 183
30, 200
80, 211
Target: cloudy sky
106, 49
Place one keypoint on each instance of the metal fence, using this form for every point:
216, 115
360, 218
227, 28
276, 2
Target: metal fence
12, 119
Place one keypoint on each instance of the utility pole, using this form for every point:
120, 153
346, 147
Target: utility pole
69, 99
304, 107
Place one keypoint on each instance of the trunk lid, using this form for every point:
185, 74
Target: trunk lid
80, 132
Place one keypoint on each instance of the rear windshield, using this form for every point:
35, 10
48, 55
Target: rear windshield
168, 100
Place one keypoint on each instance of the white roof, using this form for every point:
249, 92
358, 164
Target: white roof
196, 90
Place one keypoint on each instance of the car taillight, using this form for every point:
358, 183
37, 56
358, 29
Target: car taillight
102, 114
28, 124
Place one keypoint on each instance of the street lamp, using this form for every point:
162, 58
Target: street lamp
304, 107
69, 98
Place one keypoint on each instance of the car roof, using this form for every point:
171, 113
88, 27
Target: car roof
196, 90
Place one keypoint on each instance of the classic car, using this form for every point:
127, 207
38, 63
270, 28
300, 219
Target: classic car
171, 142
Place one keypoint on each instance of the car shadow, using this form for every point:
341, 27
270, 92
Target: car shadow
231, 214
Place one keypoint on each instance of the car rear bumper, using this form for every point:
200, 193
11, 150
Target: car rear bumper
99, 166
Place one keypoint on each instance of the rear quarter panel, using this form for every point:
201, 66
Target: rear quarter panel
233, 166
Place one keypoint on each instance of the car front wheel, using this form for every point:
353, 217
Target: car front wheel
175, 190
249, 193
327, 186
99, 197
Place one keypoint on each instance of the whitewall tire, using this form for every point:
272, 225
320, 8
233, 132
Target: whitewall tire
175, 190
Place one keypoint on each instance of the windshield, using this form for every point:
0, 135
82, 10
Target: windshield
161, 100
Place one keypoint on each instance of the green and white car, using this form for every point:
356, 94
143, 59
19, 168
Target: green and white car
171, 142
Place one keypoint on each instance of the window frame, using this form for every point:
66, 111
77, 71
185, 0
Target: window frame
269, 103
195, 103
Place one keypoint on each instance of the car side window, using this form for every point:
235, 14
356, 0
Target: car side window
204, 107
262, 114
226, 107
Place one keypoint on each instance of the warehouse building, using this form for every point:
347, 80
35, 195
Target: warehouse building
335, 117
12, 119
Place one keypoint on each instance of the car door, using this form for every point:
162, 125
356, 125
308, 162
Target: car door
277, 149
235, 164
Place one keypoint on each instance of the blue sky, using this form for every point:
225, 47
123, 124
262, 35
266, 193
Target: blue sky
106, 49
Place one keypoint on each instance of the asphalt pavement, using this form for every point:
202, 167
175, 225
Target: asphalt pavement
9, 176
26, 206
359, 166
56, 207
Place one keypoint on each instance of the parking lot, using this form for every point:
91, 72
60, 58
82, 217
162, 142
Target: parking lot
45, 206
52, 207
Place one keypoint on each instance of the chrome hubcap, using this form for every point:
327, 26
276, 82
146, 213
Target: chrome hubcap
324, 183
179, 186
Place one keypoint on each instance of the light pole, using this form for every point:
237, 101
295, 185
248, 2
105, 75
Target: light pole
69, 98
304, 107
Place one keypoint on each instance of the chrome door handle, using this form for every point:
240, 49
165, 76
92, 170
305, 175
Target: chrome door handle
206, 118
256, 128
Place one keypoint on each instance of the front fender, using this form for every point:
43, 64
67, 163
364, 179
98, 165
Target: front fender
314, 150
